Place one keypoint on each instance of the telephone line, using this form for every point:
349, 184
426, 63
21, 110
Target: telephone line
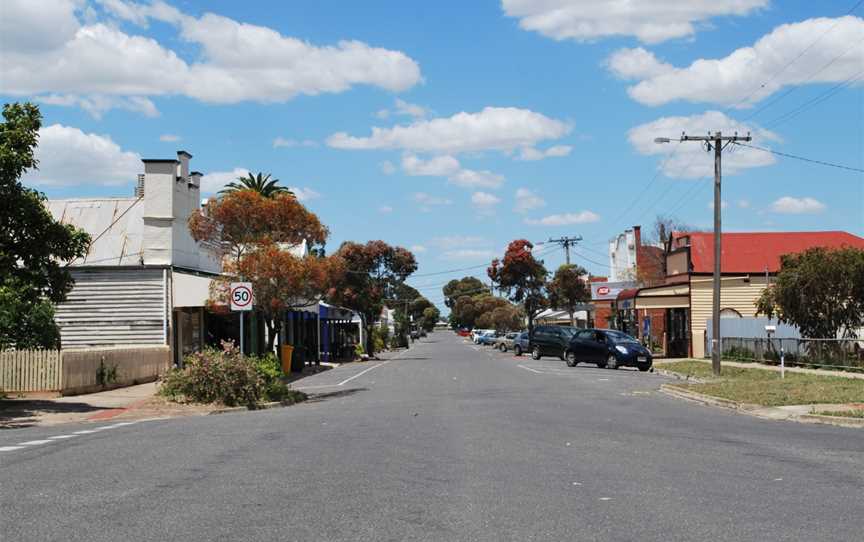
811, 160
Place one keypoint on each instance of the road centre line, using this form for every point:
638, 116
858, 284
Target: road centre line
530, 369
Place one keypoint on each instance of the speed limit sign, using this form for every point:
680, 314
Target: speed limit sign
241, 296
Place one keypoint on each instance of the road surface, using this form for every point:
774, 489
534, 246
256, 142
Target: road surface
447, 442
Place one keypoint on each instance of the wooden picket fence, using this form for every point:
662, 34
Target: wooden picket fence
30, 370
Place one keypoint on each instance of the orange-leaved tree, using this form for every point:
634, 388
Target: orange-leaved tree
522, 277
257, 237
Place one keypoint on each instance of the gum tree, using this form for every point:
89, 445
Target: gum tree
522, 277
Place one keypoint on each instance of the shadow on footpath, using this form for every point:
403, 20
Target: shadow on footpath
320, 397
21, 413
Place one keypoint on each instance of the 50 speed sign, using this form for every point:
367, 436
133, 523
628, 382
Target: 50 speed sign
241, 296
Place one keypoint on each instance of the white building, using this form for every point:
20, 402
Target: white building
144, 280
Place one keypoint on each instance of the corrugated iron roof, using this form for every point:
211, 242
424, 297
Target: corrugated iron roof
754, 252
116, 226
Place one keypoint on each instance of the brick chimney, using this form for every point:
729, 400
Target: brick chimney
637, 235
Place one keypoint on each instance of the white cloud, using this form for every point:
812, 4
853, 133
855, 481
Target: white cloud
451, 242
439, 166
98, 104
467, 254
449, 167
98, 62
67, 156
304, 193
493, 128
289, 143
169, 138
789, 205
689, 159
636, 64
530, 153
409, 109
650, 22
382, 114
419, 249
216, 180
387, 167
750, 74
723, 204
527, 200
484, 202
566, 219
743, 204
427, 201
385, 209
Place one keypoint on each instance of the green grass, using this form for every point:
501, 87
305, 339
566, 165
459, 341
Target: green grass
843, 413
765, 387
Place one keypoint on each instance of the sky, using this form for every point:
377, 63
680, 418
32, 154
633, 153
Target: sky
452, 127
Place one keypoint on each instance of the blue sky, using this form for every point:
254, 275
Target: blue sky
558, 101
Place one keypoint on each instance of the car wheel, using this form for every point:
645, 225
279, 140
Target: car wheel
535, 353
570, 358
612, 362
517, 350
601, 364
643, 367
503, 347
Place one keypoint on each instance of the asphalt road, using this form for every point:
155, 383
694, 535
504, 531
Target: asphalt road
447, 442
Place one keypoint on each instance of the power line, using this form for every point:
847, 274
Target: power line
789, 115
811, 160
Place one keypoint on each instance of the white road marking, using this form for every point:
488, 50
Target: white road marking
530, 369
602, 380
59, 437
85, 432
34, 442
10, 448
361, 373
577, 483
605, 498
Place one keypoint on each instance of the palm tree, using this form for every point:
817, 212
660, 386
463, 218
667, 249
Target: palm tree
260, 183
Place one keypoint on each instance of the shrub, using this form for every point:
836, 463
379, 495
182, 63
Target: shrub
224, 376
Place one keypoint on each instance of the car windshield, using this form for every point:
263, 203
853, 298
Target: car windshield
568, 331
619, 338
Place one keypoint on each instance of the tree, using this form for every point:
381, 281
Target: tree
257, 232
652, 269
430, 317
281, 282
456, 288
262, 184
522, 277
240, 220
371, 272
34, 247
569, 288
821, 291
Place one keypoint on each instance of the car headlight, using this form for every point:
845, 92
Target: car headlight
621, 349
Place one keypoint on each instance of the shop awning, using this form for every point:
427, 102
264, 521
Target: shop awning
668, 296
190, 290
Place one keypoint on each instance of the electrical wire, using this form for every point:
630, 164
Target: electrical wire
813, 102
811, 160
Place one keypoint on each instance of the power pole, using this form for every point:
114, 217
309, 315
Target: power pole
716, 142
566, 242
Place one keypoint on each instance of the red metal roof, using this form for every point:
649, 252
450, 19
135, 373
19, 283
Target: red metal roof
752, 252
630, 293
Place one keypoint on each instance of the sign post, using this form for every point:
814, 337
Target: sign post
241, 300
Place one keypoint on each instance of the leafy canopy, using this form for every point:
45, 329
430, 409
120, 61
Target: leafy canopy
821, 291
33, 246
522, 277
261, 184
456, 288
569, 288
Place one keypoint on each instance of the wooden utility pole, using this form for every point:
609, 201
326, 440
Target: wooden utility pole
566, 242
716, 142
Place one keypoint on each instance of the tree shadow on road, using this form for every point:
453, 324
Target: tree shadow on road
320, 397
19, 413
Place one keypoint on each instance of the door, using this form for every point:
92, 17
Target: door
597, 349
581, 344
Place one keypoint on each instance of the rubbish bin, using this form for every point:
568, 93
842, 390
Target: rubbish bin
287, 352
298, 360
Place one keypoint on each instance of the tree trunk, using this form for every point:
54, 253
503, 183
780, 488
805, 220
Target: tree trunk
370, 343
572, 321
272, 331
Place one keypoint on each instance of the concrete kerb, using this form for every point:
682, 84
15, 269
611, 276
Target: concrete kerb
797, 413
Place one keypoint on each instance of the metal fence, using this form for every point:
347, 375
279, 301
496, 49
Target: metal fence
846, 354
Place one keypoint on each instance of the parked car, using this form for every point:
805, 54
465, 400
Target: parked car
550, 341
521, 344
475, 335
607, 348
505, 342
463, 332
487, 338
422, 332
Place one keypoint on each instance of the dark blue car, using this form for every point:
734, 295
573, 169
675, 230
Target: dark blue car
607, 348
